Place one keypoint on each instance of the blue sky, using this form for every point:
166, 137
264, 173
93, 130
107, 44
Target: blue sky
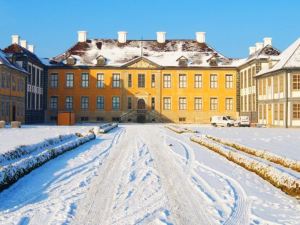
231, 25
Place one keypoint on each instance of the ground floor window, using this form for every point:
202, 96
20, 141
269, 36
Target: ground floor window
53, 102
84, 102
198, 103
100, 102
281, 111
228, 104
276, 112
69, 102
167, 103
213, 103
182, 103
116, 103
296, 111
152, 103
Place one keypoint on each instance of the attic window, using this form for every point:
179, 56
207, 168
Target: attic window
101, 61
213, 61
182, 62
71, 61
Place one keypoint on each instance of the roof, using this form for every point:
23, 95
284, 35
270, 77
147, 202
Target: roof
15, 48
5, 61
289, 58
165, 54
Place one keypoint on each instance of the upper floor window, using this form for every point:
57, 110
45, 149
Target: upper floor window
53, 102
84, 80
182, 103
182, 81
153, 80
69, 102
141, 80
296, 82
198, 81
100, 102
229, 81
116, 80
116, 103
54, 80
213, 81
129, 80
84, 102
69, 80
167, 80
100, 80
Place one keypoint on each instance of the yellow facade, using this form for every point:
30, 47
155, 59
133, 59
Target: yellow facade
157, 90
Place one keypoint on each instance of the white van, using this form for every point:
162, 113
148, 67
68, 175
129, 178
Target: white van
223, 121
242, 121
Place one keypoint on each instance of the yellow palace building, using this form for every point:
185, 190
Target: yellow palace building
142, 80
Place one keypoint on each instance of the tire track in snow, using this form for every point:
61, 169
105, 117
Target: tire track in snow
241, 209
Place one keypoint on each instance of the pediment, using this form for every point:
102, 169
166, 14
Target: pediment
141, 63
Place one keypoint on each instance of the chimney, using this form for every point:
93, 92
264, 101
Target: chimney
82, 36
122, 37
252, 50
161, 37
267, 41
259, 46
23, 43
31, 48
200, 37
15, 39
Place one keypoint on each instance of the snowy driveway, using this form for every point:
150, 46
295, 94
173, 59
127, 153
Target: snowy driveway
144, 174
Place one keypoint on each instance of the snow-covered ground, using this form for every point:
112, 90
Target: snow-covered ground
147, 174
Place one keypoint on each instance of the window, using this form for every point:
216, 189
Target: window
241, 79
182, 103
198, 103
260, 112
281, 83
228, 104
129, 103
54, 80
182, 81
141, 80
213, 103
281, 111
129, 80
198, 81
53, 102
153, 103
100, 102
116, 80
296, 111
69, 102
116, 103
249, 77
100, 80
296, 82
69, 80
275, 111
229, 81
84, 80
182, 119
84, 102
167, 80
213, 81
275, 84
167, 103
153, 80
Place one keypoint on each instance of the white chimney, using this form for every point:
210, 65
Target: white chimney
161, 37
122, 37
267, 41
23, 43
200, 37
15, 39
259, 46
31, 48
252, 50
82, 36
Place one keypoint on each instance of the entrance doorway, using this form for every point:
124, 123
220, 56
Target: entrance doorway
141, 111
141, 104
14, 116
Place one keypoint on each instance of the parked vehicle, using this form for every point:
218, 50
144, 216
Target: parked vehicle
223, 121
242, 121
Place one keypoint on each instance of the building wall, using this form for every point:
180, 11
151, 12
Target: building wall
158, 91
12, 94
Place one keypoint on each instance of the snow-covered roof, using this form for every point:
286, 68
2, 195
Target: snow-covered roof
267, 52
289, 58
164, 54
5, 61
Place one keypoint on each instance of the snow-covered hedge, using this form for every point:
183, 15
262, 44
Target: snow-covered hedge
286, 162
276, 177
27, 149
14, 171
104, 128
178, 129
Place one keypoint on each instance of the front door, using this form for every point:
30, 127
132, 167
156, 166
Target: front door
14, 116
141, 104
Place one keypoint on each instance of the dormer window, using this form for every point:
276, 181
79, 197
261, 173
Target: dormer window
182, 61
213, 61
101, 60
71, 61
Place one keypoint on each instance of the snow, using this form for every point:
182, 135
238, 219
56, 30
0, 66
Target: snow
4, 61
148, 174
